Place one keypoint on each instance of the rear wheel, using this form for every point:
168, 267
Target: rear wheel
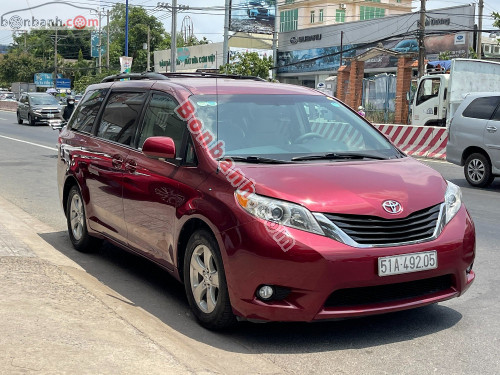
205, 282
19, 119
77, 223
477, 170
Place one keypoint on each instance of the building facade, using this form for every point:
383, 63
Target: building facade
303, 14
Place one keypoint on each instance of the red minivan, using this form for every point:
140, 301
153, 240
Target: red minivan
270, 202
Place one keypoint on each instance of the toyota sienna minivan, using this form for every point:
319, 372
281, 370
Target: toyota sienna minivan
270, 202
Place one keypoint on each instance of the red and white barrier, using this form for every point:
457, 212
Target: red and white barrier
421, 141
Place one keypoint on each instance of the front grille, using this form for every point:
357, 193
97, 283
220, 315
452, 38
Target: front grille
388, 293
49, 111
373, 230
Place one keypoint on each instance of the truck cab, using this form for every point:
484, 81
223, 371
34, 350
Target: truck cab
431, 102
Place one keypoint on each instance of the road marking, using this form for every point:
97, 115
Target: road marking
30, 143
4, 119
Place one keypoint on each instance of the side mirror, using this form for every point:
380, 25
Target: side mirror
159, 147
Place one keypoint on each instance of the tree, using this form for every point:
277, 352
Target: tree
20, 67
139, 21
496, 16
248, 64
446, 55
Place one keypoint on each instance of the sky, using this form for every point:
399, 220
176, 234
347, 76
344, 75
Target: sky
208, 23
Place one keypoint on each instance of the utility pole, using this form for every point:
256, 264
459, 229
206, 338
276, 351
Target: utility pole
480, 27
275, 41
149, 49
126, 28
55, 59
421, 35
225, 45
100, 43
341, 47
107, 37
173, 37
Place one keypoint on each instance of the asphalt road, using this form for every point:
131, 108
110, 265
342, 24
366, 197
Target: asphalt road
460, 336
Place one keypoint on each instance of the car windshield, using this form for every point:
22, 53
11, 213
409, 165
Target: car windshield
289, 127
43, 100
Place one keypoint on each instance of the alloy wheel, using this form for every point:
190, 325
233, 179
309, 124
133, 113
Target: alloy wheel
77, 217
204, 278
476, 170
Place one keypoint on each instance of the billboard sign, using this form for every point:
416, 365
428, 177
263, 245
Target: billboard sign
189, 59
94, 42
45, 79
252, 16
63, 83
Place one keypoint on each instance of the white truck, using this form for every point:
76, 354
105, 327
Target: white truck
439, 95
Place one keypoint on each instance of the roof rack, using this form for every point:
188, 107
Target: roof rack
204, 74
134, 76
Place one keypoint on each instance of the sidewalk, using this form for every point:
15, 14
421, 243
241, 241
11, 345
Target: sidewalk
55, 318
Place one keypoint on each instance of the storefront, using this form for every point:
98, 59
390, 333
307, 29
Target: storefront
308, 57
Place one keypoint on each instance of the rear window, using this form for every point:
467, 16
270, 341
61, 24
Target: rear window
482, 108
86, 112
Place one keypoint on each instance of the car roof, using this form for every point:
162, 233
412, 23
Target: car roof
214, 85
474, 95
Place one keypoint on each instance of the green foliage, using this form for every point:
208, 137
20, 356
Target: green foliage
248, 64
19, 67
445, 55
81, 84
496, 16
472, 53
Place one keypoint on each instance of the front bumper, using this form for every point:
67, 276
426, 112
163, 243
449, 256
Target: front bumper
317, 266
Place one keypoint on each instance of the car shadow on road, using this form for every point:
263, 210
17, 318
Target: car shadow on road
157, 292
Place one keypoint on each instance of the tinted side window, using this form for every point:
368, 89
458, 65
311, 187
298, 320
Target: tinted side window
121, 116
160, 120
482, 108
86, 112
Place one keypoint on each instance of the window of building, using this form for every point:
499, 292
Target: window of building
373, 1
340, 15
289, 1
289, 20
369, 13
312, 16
321, 15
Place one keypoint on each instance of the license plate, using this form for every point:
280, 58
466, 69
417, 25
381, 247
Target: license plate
406, 263
50, 115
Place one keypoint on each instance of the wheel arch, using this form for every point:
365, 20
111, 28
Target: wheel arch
474, 150
68, 184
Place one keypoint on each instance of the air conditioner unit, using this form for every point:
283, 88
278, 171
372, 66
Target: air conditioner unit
342, 6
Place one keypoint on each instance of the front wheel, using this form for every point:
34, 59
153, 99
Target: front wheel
31, 121
77, 223
205, 282
477, 170
19, 119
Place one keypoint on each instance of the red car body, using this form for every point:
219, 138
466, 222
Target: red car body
149, 207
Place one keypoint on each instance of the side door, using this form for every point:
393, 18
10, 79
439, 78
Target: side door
152, 191
492, 131
115, 132
428, 102
22, 106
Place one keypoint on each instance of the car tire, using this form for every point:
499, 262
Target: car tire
30, 120
205, 282
77, 223
19, 119
477, 170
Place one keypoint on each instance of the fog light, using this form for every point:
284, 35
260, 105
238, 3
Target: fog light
266, 292
469, 269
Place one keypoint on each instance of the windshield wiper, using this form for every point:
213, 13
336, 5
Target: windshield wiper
257, 160
338, 155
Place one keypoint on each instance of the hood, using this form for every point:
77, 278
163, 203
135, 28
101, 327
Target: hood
356, 188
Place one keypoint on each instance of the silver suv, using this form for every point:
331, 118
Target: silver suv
474, 138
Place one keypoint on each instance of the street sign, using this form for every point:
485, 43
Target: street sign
63, 83
45, 79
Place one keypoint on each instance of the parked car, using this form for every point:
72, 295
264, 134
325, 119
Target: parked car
39, 108
7, 96
474, 138
270, 202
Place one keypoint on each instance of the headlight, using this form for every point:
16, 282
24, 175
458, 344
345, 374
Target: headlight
452, 200
37, 112
278, 211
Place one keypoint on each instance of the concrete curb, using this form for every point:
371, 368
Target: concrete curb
75, 324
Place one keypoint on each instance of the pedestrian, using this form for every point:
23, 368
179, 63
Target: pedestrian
361, 111
70, 106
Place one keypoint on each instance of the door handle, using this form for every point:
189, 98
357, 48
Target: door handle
491, 129
131, 165
117, 161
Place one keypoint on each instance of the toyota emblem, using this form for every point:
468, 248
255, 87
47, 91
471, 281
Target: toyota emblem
392, 207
